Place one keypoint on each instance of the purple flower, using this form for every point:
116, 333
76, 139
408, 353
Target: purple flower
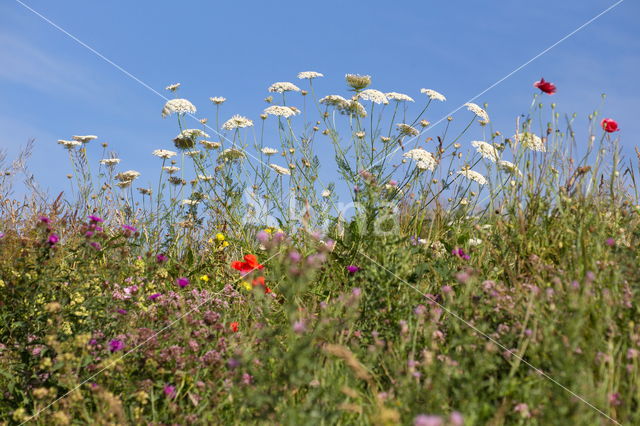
154, 296
456, 419
352, 269
116, 345
129, 228
1, 235
89, 234
170, 391
44, 219
161, 258
460, 253
294, 256
262, 237
53, 239
96, 245
425, 420
610, 242
122, 311
95, 219
299, 327
182, 282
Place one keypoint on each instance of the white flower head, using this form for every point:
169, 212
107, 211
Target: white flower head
283, 86
187, 138
210, 144
69, 144
231, 154
192, 154
190, 202
280, 170
399, 97
423, 158
357, 81
129, 175
171, 169
269, 151
530, 141
84, 138
407, 130
474, 176
334, 100
374, 96
218, 100
164, 153
433, 95
110, 162
205, 178
353, 107
486, 150
172, 87
280, 111
309, 75
237, 122
326, 193
178, 106
481, 113
509, 167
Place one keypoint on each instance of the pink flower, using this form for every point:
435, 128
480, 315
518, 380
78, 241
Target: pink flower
170, 391
352, 269
53, 239
95, 219
425, 420
116, 345
182, 282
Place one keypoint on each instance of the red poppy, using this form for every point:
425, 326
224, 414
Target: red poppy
609, 125
250, 264
259, 281
546, 86
234, 326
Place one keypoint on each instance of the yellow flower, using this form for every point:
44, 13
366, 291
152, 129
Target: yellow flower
220, 236
268, 230
205, 278
247, 286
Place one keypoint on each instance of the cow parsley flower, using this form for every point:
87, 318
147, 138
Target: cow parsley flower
407, 130
509, 167
374, 96
280, 170
187, 138
236, 122
424, 159
218, 100
433, 95
530, 141
280, 111
269, 151
358, 82
283, 86
210, 144
486, 150
231, 154
399, 97
171, 169
172, 87
326, 193
129, 175
334, 100
477, 111
309, 75
110, 162
178, 106
353, 107
85, 138
69, 144
164, 153
473, 175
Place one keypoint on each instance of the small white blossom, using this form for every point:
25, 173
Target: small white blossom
309, 75
326, 193
269, 151
433, 95
178, 106
69, 144
85, 138
477, 111
218, 100
172, 87
399, 97
164, 153
171, 169
530, 141
334, 100
210, 144
280, 111
424, 159
473, 175
283, 86
110, 161
236, 122
231, 154
374, 96
486, 150
280, 170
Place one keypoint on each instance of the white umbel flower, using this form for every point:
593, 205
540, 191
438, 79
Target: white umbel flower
509, 167
110, 162
399, 97
218, 100
374, 96
423, 158
210, 144
481, 113
357, 81
205, 178
433, 95
283, 86
190, 202
486, 150
231, 154
172, 87
474, 176
84, 138
280, 170
334, 100
280, 111
353, 107
178, 106
164, 153
69, 144
129, 175
269, 151
171, 169
530, 141
192, 154
326, 193
237, 122
407, 130
309, 75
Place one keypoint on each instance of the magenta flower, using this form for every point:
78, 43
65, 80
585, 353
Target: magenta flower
95, 219
161, 258
129, 228
460, 253
154, 296
116, 345
352, 269
425, 420
44, 219
122, 311
96, 245
610, 242
170, 391
182, 282
53, 239
1, 235
89, 234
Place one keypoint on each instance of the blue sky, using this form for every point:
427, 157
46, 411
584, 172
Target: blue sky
52, 88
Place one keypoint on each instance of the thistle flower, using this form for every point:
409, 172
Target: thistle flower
530, 141
218, 100
399, 97
433, 95
269, 151
477, 111
309, 75
280, 170
424, 159
473, 175
407, 130
358, 82
116, 345
210, 144
182, 282
374, 96
53, 239
110, 162
280, 111
231, 154
171, 169
486, 150
172, 87
164, 153
283, 86
237, 121
352, 269
178, 106
69, 144
85, 138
